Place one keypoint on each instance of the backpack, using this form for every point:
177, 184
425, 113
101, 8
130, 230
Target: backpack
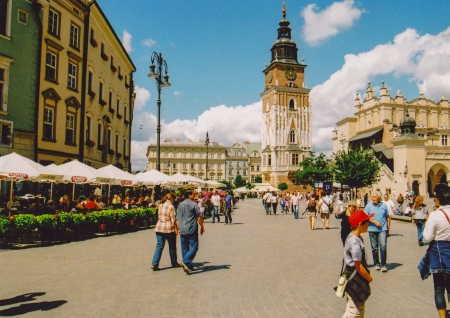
311, 206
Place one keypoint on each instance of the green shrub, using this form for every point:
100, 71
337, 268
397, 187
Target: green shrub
77, 221
5, 224
46, 222
94, 218
24, 223
109, 217
63, 219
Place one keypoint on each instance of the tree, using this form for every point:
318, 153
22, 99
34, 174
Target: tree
229, 185
249, 186
314, 169
283, 186
239, 182
258, 179
356, 168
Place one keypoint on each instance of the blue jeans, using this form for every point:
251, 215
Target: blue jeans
160, 243
295, 207
215, 214
378, 239
189, 248
420, 224
267, 206
228, 216
441, 283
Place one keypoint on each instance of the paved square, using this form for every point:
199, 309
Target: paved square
261, 266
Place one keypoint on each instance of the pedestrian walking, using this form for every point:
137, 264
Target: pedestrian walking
311, 210
215, 200
267, 199
357, 288
419, 217
437, 257
325, 207
166, 230
378, 229
391, 208
400, 201
295, 201
228, 207
188, 218
344, 216
274, 202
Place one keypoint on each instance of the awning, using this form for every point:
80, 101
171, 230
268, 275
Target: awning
366, 134
387, 152
293, 148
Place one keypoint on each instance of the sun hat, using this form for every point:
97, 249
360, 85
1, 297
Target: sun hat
359, 216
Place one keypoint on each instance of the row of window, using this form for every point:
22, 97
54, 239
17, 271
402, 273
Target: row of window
200, 166
192, 155
106, 139
267, 159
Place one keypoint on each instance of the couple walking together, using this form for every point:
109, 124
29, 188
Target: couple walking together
183, 224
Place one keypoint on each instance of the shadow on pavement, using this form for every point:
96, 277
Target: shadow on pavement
20, 299
395, 235
26, 308
209, 268
392, 266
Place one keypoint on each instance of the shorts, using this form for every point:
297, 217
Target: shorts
325, 215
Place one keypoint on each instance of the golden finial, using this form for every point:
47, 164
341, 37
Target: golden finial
284, 10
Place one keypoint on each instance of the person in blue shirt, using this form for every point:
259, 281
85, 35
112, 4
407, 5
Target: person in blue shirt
378, 229
229, 201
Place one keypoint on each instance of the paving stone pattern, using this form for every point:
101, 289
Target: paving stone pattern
261, 266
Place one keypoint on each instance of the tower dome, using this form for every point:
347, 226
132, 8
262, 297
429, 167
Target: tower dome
284, 49
408, 124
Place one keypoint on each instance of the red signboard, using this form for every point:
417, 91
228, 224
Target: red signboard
78, 179
19, 175
126, 183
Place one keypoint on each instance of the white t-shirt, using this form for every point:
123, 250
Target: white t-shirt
437, 226
390, 205
215, 199
323, 204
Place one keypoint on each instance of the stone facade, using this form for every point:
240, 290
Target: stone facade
237, 162
416, 163
254, 156
189, 157
286, 112
19, 69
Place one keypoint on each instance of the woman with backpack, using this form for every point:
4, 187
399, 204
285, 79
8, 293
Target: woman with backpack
311, 210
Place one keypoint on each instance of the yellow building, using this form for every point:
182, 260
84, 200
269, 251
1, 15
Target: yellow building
189, 157
254, 156
86, 88
411, 139
60, 89
109, 97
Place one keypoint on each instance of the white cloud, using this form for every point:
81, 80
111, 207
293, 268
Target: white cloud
322, 25
148, 42
126, 41
142, 96
178, 94
418, 58
219, 121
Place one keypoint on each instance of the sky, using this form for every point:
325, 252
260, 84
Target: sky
216, 50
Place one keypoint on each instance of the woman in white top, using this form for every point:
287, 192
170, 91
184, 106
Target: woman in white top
419, 217
437, 232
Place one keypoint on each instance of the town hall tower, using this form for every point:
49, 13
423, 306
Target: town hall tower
286, 113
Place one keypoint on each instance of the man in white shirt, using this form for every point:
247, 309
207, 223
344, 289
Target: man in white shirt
215, 200
391, 208
267, 201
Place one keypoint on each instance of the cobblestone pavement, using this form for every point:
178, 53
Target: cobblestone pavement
261, 266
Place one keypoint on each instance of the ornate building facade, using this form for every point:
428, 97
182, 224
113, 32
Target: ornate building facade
411, 139
286, 112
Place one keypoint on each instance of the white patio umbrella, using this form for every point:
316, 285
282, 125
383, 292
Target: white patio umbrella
154, 177
213, 184
121, 177
241, 190
179, 178
78, 172
15, 167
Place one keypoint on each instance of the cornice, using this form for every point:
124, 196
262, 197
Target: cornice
286, 90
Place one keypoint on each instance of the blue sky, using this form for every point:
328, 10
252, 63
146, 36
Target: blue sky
216, 51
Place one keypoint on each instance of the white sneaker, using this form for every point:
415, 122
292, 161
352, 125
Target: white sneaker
384, 269
377, 267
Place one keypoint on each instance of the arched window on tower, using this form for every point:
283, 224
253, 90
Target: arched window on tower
291, 104
292, 137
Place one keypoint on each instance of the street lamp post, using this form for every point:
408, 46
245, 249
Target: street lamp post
207, 144
161, 81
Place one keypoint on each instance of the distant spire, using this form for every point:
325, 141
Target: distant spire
284, 10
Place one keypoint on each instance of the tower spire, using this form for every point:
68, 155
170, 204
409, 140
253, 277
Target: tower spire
284, 10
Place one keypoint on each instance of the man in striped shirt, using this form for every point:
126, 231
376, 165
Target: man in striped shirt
166, 229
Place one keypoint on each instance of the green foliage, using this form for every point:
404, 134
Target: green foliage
239, 182
283, 186
24, 222
94, 219
314, 169
356, 168
46, 221
5, 224
258, 179
77, 221
109, 217
63, 219
249, 186
229, 185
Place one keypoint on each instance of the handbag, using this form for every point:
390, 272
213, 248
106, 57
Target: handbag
358, 288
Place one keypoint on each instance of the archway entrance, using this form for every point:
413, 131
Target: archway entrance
437, 174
